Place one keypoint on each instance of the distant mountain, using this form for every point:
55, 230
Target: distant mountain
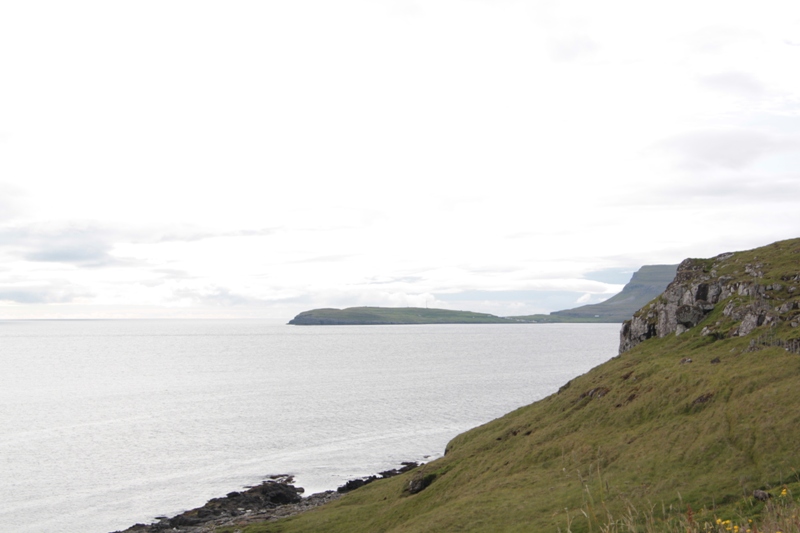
647, 283
392, 315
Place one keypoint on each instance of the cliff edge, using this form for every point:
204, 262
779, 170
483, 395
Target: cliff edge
747, 289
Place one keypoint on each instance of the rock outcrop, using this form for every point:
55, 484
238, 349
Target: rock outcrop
752, 293
272, 499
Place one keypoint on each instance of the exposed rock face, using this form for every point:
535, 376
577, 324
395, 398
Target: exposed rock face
747, 296
420, 482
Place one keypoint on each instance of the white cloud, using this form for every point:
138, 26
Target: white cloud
728, 148
54, 291
585, 299
737, 83
573, 48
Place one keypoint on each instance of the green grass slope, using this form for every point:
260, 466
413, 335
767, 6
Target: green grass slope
641, 438
392, 315
645, 284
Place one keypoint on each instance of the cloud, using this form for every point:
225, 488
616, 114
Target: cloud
217, 297
390, 280
747, 189
190, 234
333, 258
712, 39
572, 48
585, 299
736, 83
536, 301
78, 244
728, 149
172, 273
53, 292
9, 201
405, 9
618, 275
90, 244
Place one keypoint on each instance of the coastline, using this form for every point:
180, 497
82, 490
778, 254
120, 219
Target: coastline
273, 499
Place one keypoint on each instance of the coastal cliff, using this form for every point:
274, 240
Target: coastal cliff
693, 427
751, 288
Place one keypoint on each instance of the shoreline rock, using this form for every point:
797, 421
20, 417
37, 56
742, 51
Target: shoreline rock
273, 499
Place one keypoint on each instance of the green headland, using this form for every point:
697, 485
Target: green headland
392, 315
679, 432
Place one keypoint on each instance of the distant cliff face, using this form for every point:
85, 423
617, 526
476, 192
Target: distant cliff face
743, 291
647, 283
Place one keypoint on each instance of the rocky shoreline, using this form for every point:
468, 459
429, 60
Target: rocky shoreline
275, 498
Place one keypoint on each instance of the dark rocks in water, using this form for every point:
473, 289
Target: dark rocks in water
354, 484
264, 498
273, 499
183, 521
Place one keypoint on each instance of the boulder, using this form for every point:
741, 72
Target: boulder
689, 315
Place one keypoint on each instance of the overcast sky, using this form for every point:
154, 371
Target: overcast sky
257, 159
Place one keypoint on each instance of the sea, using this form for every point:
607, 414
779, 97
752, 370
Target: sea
108, 423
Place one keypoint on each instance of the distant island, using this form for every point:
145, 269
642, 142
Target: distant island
354, 316
647, 283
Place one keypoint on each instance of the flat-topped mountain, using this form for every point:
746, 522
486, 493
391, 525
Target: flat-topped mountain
392, 315
646, 283
693, 427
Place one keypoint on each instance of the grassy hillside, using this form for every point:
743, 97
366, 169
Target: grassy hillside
681, 428
392, 315
646, 283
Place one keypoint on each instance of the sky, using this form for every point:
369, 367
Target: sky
255, 159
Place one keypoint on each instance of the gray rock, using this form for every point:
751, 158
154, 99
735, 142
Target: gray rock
750, 322
761, 495
420, 482
695, 292
689, 315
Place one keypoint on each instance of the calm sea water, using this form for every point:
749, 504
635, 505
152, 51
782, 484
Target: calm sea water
107, 423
